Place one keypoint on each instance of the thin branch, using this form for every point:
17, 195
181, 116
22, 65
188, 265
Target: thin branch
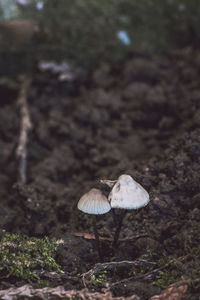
89, 236
24, 130
140, 262
150, 274
111, 265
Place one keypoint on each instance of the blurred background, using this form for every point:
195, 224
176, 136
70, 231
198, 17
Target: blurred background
114, 86
89, 33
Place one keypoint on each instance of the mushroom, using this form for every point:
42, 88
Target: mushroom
126, 194
94, 202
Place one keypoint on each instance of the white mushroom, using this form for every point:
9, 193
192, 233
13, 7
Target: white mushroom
128, 194
94, 202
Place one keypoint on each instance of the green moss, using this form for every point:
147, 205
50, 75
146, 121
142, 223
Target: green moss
164, 279
185, 267
99, 278
24, 257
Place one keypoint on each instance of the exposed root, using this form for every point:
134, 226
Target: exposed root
26, 126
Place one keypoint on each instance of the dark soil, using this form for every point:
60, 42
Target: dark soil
141, 118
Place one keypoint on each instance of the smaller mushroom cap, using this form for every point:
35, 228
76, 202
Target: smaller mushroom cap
128, 194
94, 202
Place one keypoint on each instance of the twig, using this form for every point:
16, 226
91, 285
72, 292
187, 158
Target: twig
111, 265
145, 276
150, 274
89, 236
140, 262
24, 130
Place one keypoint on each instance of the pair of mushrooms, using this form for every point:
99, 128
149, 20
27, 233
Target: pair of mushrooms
126, 194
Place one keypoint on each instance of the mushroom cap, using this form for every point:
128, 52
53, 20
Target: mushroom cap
94, 202
128, 194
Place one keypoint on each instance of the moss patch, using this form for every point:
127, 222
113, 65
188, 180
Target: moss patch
99, 278
27, 257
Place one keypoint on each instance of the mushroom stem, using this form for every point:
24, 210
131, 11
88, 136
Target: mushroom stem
97, 236
114, 216
117, 232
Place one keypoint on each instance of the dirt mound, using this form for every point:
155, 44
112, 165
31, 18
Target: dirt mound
141, 118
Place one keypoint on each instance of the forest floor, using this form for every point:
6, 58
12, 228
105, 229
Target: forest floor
141, 118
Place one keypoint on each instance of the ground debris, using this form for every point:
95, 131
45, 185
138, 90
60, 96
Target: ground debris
27, 291
174, 292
